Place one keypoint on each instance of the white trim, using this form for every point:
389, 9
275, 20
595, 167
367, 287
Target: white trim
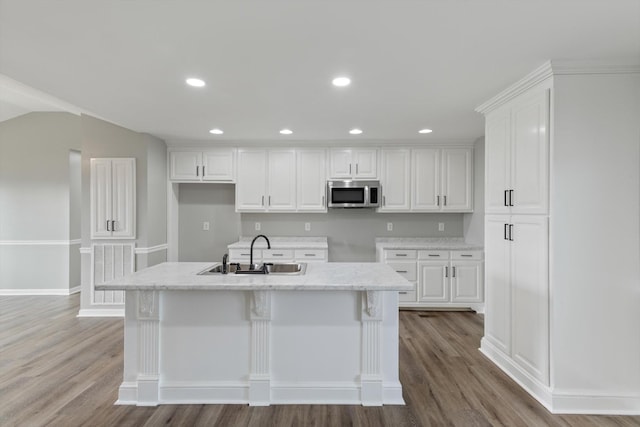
101, 312
40, 292
595, 403
75, 290
152, 249
40, 242
85, 251
196, 145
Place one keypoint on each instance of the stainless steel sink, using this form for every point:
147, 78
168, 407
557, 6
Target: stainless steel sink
287, 269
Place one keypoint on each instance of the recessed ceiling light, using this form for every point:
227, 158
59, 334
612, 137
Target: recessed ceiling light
355, 131
195, 82
341, 81
286, 131
216, 131
425, 131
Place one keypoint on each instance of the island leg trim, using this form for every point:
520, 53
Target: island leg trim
148, 348
371, 380
260, 375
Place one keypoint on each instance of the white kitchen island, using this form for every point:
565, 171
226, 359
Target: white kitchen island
329, 336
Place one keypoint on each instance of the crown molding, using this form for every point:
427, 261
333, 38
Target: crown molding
557, 68
187, 145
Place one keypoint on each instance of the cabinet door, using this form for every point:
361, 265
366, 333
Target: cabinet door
395, 179
530, 294
123, 198
425, 179
218, 165
185, 165
457, 179
281, 180
251, 184
312, 183
497, 161
100, 198
365, 164
340, 163
497, 319
433, 285
530, 154
466, 281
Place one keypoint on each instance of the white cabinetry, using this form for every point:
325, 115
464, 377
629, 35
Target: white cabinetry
442, 278
212, 165
312, 181
353, 163
517, 155
266, 180
442, 180
113, 198
298, 254
395, 180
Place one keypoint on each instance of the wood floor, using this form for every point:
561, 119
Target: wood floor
59, 370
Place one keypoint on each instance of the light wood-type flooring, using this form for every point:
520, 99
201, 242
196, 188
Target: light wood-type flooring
60, 370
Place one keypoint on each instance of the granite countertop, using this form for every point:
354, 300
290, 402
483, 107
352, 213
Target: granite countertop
318, 277
433, 243
282, 243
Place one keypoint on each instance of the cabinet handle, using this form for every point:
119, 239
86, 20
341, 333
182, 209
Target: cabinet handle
309, 254
197, 170
511, 232
384, 201
203, 171
445, 200
113, 225
510, 197
437, 200
446, 272
323, 201
505, 197
108, 225
245, 254
401, 271
269, 200
434, 255
262, 201
453, 272
357, 168
506, 230
466, 255
349, 168
277, 254
403, 292
401, 254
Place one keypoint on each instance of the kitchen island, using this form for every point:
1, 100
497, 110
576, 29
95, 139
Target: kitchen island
328, 336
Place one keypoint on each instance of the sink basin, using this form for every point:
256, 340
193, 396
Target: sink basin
289, 269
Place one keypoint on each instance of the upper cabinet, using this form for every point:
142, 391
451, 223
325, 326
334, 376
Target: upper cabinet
442, 180
358, 163
266, 180
113, 198
215, 165
517, 155
395, 180
312, 181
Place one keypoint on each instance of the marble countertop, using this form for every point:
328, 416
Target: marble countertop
282, 243
449, 243
330, 276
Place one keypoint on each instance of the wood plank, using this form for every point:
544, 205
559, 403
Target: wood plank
60, 370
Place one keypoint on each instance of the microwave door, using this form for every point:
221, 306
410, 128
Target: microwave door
348, 196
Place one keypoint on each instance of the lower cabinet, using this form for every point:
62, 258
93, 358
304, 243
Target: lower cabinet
279, 255
441, 278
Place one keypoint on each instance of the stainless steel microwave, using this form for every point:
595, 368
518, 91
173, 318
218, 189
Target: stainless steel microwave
351, 193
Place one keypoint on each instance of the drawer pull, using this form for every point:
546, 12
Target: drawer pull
434, 255
245, 254
309, 254
403, 292
277, 254
466, 255
401, 254
401, 271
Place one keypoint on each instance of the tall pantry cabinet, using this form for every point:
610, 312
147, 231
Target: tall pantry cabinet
561, 294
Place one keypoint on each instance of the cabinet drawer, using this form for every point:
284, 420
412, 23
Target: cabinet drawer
466, 255
408, 296
405, 269
277, 254
400, 254
433, 255
310, 255
236, 255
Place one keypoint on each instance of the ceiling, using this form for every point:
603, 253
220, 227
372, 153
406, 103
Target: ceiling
268, 65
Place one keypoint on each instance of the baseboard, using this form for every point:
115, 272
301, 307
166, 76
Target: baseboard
101, 312
594, 403
39, 292
540, 392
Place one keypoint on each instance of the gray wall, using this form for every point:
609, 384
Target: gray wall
38, 196
473, 223
214, 203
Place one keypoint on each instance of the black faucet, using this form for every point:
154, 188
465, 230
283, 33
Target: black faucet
251, 253
224, 263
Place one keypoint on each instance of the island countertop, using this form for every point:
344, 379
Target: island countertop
176, 276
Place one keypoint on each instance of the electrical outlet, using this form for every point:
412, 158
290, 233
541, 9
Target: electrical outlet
205, 226
258, 226
389, 226
307, 226
441, 226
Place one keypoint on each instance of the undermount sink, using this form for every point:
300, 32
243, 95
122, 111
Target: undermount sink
289, 269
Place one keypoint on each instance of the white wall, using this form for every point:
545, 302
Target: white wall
595, 236
474, 222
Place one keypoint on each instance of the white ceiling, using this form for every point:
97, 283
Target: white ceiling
269, 64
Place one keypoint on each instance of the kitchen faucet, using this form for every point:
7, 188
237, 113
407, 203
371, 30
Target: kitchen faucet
251, 252
224, 263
